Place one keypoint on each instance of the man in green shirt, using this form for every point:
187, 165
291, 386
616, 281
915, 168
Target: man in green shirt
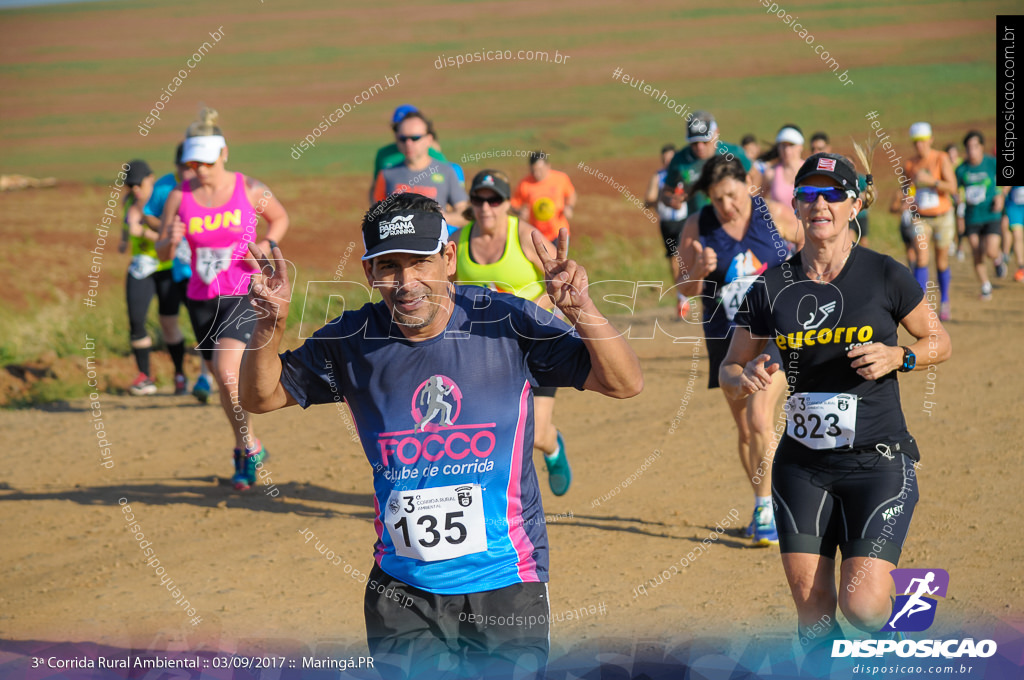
703, 142
983, 208
389, 156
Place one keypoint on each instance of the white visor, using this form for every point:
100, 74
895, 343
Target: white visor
203, 149
788, 134
920, 131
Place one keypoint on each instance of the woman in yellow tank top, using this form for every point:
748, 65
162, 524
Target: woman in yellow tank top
496, 250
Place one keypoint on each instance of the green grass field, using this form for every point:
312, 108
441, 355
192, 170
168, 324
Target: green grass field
77, 79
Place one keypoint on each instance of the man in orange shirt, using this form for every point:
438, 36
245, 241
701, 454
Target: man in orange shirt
545, 198
931, 173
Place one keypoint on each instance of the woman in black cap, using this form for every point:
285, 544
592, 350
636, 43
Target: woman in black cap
844, 473
496, 250
149, 276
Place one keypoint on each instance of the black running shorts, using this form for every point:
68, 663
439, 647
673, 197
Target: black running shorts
860, 502
993, 228
495, 633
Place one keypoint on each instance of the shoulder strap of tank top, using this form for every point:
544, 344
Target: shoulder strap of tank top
188, 201
462, 249
512, 238
240, 192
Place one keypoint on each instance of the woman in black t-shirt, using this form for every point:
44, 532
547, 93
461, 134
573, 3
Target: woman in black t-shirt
844, 473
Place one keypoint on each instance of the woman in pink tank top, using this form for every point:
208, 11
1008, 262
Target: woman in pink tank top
218, 213
777, 183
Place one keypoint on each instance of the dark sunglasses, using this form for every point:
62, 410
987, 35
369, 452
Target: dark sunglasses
194, 165
830, 194
493, 201
410, 138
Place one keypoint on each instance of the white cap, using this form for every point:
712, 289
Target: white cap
920, 131
791, 135
204, 149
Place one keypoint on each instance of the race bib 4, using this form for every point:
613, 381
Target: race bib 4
733, 292
437, 524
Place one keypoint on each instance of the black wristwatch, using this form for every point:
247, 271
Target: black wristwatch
909, 361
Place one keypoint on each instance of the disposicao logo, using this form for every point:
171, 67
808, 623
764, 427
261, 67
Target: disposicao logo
914, 611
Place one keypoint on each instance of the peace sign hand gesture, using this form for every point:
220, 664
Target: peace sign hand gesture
566, 280
269, 288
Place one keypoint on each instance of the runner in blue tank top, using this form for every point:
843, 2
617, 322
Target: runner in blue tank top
724, 248
439, 379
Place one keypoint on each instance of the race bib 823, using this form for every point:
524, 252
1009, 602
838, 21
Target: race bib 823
822, 420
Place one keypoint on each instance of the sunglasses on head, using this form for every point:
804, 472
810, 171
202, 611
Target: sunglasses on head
194, 165
830, 194
493, 201
410, 138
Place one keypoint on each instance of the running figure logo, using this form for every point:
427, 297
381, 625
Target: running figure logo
914, 610
437, 398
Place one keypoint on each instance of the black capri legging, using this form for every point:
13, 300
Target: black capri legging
140, 292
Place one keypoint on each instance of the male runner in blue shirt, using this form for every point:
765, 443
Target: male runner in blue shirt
438, 377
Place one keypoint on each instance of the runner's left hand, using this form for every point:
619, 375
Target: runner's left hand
269, 288
875, 359
566, 280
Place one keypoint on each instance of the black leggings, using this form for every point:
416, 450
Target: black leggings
140, 292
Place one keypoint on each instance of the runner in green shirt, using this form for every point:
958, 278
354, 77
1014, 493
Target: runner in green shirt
983, 207
703, 142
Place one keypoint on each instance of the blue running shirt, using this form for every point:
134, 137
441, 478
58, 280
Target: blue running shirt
739, 264
447, 425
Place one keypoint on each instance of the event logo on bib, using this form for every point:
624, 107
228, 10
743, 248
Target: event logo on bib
465, 494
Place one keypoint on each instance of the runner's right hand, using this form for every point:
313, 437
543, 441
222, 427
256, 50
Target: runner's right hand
177, 231
676, 199
707, 259
756, 376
